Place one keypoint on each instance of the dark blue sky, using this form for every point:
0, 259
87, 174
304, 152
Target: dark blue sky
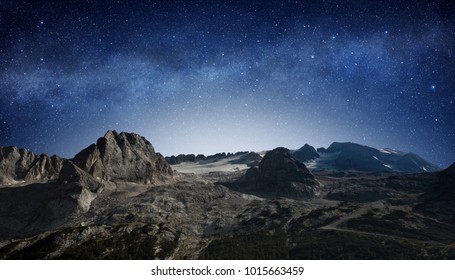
212, 76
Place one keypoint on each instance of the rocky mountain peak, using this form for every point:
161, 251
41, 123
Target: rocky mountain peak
125, 157
280, 164
281, 173
306, 153
22, 165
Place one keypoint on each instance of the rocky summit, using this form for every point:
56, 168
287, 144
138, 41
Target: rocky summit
280, 173
123, 157
306, 153
119, 199
17, 165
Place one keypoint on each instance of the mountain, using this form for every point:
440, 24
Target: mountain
281, 175
123, 157
305, 153
119, 199
18, 165
351, 156
53, 191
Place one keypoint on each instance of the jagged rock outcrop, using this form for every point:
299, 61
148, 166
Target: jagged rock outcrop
22, 165
281, 174
193, 158
78, 185
123, 157
306, 153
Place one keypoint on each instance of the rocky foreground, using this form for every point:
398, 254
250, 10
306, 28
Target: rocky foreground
119, 199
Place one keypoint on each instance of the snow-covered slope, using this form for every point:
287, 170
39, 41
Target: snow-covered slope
351, 156
234, 163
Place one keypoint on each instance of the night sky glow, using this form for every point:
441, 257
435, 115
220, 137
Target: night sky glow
213, 76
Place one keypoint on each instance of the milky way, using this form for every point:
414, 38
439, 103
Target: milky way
201, 77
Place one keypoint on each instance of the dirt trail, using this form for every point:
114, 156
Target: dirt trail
353, 215
362, 211
356, 214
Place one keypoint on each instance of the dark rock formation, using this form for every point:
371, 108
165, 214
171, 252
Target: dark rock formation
440, 200
351, 156
123, 157
192, 158
282, 175
305, 153
449, 173
22, 165
78, 185
357, 157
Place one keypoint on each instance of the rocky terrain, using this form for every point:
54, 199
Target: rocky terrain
119, 199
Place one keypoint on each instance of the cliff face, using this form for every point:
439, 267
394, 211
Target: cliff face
51, 192
123, 157
22, 165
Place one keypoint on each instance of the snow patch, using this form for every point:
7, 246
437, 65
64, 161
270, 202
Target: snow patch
384, 151
389, 151
324, 162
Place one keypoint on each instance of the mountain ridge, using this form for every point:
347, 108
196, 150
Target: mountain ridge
345, 156
119, 199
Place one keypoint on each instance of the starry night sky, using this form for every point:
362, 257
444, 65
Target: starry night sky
213, 76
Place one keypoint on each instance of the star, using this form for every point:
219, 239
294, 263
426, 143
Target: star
361, 68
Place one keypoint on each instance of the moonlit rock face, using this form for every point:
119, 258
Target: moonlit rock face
78, 185
18, 165
124, 157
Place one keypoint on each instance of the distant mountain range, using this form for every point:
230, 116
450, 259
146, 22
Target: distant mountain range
338, 156
351, 156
